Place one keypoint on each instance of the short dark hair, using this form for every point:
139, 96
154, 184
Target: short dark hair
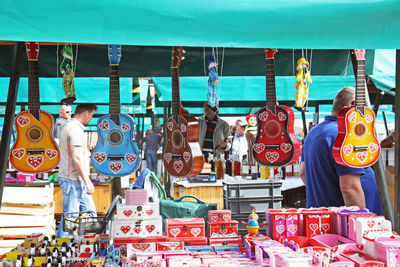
82, 107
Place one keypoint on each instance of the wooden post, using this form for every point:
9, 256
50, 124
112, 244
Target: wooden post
10, 112
397, 147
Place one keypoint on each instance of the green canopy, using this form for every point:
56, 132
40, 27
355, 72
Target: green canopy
225, 23
384, 69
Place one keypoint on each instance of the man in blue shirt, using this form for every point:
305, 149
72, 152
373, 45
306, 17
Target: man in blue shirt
329, 184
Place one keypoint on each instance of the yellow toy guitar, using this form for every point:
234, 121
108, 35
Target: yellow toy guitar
34, 150
356, 144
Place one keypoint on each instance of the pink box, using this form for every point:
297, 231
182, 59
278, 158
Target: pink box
136, 197
25, 177
388, 250
283, 223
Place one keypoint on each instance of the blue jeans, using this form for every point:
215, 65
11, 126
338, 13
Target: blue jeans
151, 160
75, 199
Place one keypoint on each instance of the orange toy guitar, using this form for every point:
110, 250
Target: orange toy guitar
182, 153
356, 144
34, 150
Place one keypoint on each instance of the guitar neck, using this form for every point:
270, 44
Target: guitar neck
270, 84
360, 101
176, 99
114, 107
33, 89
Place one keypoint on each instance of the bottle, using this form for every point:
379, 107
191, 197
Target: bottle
219, 167
228, 164
245, 167
236, 165
254, 170
211, 161
262, 173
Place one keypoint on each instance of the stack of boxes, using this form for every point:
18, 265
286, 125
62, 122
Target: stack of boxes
223, 231
137, 218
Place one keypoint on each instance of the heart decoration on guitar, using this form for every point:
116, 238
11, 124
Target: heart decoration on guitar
34, 150
356, 144
182, 153
276, 144
116, 152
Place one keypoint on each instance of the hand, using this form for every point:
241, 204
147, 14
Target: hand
222, 144
89, 187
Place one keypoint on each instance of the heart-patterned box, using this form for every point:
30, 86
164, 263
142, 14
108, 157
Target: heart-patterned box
185, 227
223, 229
138, 228
366, 225
317, 221
283, 223
133, 248
219, 216
168, 246
138, 212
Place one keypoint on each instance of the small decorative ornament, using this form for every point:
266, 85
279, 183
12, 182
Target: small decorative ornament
271, 156
34, 161
51, 153
18, 153
263, 116
23, 120
99, 157
104, 125
282, 116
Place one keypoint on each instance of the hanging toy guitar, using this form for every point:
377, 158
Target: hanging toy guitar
303, 77
67, 70
212, 94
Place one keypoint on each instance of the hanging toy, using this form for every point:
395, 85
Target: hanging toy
67, 70
212, 94
252, 124
303, 77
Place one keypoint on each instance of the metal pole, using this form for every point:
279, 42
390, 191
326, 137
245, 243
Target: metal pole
303, 118
10, 112
378, 99
397, 147
167, 178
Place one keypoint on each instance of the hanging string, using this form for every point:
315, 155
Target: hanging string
222, 68
294, 68
57, 62
347, 64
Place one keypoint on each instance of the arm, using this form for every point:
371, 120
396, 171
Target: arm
76, 154
353, 194
302, 173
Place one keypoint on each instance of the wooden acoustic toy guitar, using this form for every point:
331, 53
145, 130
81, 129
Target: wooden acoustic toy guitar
356, 144
182, 154
34, 150
276, 144
116, 152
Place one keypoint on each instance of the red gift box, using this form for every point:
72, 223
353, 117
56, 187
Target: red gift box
283, 223
219, 216
317, 221
168, 246
185, 227
223, 229
191, 241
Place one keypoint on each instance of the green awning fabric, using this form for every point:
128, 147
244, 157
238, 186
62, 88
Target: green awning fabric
224, 23
242, 88
384, 69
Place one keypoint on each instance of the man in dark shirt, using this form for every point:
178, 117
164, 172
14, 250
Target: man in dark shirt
152, 141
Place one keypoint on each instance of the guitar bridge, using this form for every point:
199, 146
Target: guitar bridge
115, 157
360, 148
35, 151
272, 147
177, 156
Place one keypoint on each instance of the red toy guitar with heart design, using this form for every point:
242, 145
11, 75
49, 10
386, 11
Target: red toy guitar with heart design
276, 143
182, 153
356, 144
34, 150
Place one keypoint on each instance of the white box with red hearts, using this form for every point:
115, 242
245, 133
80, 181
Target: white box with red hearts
138, 228
138, 212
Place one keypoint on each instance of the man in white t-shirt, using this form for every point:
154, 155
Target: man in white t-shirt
74, 167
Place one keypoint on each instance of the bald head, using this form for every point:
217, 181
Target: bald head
65, 112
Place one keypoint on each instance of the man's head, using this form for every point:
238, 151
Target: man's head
209, 111
344, 98
84, 112
65, 111
149, 131
240, 127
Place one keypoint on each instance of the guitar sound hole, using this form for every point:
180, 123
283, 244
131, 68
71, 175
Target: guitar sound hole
360, 130
272, 129
177, 139
115, 137
34, 134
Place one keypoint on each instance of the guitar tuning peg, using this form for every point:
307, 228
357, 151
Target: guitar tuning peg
183, 58
183, 51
